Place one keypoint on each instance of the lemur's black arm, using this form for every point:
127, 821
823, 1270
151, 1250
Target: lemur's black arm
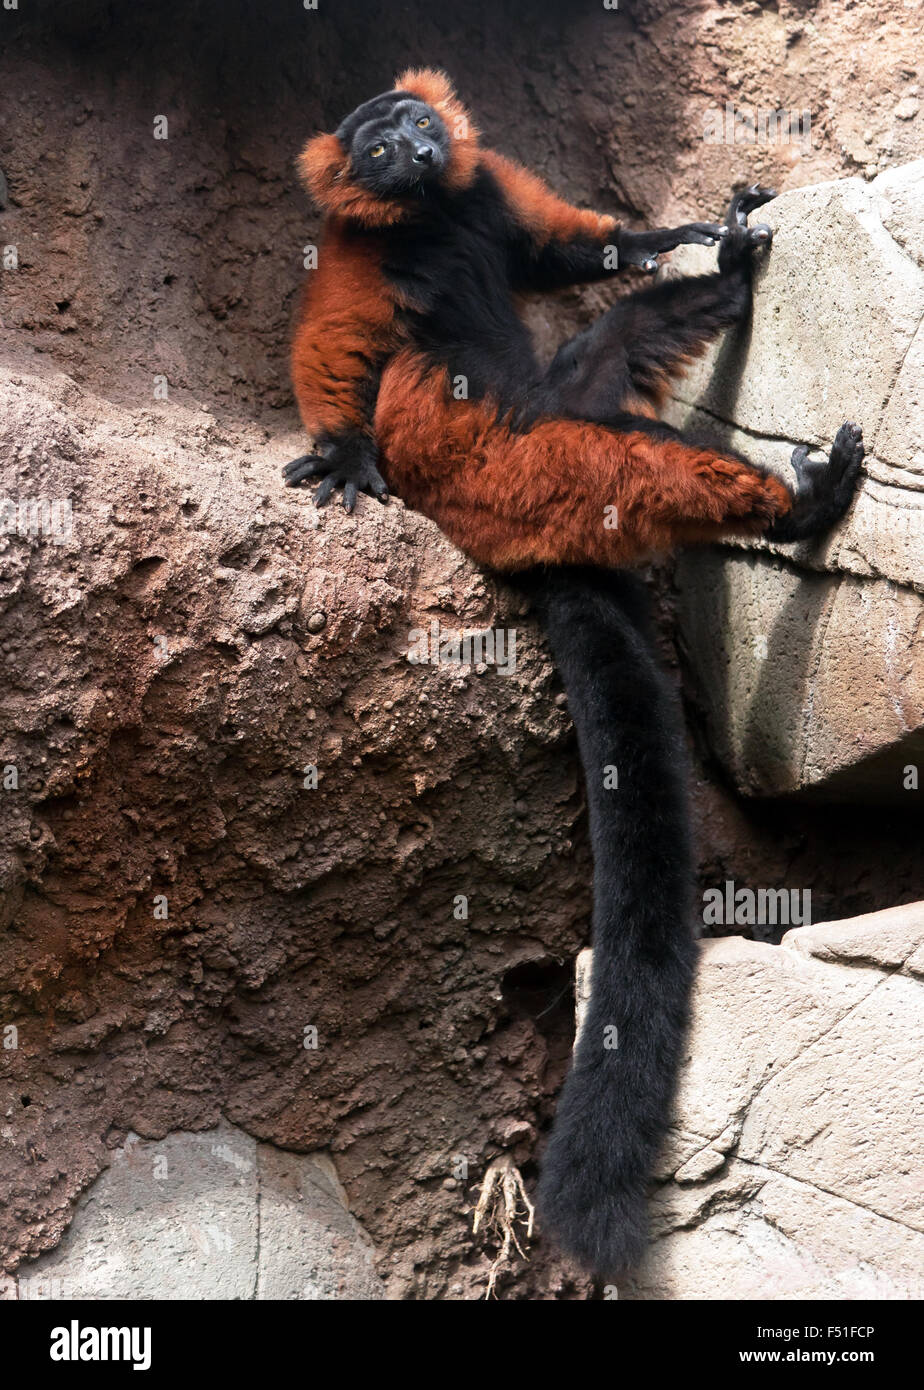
583, 259
643, 248
554, 243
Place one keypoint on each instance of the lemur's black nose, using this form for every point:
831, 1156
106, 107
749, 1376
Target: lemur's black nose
423, 154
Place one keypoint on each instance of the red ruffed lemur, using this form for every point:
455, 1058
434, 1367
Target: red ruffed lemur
414, 372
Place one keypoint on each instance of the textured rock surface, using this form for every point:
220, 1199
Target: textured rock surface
179, 907
807, 662
210, 1215
793, 1169
794, 1166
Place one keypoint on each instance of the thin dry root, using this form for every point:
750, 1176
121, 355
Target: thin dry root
497, 1210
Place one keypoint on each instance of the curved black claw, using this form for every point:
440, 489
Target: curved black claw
348, 463
305, 466
744, 203
824, 487
741, 241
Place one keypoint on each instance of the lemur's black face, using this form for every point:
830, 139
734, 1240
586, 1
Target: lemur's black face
397, 144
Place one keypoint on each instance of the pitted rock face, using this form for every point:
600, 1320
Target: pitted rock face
213, 1215
236, 839
807, 658
792, 1167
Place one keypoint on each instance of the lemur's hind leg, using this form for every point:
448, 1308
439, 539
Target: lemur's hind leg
628, 356
608, 373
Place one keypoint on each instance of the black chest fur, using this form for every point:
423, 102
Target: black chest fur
453, 266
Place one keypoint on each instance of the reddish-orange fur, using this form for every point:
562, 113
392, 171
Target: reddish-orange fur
538, 209
515, 499
511, 499
325, 173
347, 321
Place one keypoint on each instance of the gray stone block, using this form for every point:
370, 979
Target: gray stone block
807, 666
209, 1215
793, 1167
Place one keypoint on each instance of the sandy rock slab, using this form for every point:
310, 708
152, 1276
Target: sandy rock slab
806, 659
809, 682
794, 1166
214, 1215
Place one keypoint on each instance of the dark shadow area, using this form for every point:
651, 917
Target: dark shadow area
182, 256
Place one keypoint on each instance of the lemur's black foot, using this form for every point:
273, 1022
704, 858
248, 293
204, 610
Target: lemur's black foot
741, 241
744, 203
824, 487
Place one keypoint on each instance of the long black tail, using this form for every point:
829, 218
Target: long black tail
616, 1100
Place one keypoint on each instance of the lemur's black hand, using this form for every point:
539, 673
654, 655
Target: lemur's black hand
643, 248
349, 461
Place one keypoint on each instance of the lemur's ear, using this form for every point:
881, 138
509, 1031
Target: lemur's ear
321, 164
431, 85
435, 88
324, 168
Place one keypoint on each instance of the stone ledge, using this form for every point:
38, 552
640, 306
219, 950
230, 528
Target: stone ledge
792, 1169
210, 1215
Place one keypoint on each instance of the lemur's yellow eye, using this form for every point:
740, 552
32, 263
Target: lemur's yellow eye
377, 151
424, 122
